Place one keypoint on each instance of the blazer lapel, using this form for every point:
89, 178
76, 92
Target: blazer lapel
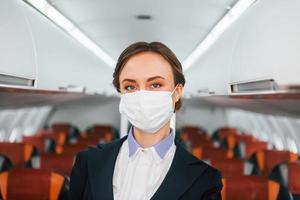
184, 170
101, 162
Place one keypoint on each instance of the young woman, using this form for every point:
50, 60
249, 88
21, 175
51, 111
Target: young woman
148, 163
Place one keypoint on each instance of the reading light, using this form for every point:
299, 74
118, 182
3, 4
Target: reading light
53, 14
233, 14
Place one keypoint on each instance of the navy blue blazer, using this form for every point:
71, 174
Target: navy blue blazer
187, 179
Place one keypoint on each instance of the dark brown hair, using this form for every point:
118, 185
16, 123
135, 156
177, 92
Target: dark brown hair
156, 47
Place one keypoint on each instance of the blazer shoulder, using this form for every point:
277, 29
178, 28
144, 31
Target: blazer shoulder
212, 180
213, 172
209, 171
83, 156
112, 144
188, 156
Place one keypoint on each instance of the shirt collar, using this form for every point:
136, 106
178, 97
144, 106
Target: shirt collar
161, 147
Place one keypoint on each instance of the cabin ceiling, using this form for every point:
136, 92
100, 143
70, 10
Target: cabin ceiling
182, 25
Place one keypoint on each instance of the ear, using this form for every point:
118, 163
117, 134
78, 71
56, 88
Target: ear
178, 92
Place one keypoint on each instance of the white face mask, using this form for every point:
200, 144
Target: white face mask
147, 110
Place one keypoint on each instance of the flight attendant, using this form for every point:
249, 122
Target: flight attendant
148, 163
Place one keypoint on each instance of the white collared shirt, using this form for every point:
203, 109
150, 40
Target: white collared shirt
140, 171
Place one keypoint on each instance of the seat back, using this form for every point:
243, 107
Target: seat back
193, 129
232, 139
18, 153
288, 175
71, 131
211, 153
43, 144
96, 137
231, 167
90, 141
229, 141
294, 177
60, 138
245, 149
196, 139
73, 149
5, 163
31, 184
224, 132
59, 163
105, 131
266, 160
250, 188
64, 127
100, 128
245, 138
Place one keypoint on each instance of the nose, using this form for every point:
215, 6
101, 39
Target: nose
142, 86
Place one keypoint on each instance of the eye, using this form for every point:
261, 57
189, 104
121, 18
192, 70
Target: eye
129, 88
155, 85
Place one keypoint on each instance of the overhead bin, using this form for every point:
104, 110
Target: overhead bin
17, 49
33, 47
267, 43
262, 44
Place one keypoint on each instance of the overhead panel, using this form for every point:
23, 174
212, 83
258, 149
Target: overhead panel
113, 25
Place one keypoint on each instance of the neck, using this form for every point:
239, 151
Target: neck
148, 140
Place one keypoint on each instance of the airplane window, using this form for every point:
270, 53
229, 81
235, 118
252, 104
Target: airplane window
292, 145
277, 142
15, 123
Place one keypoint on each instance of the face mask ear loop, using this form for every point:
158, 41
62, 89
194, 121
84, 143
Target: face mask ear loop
174, 90
171, 96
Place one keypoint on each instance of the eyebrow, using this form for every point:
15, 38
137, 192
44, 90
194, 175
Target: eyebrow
128, 80
149, 79
154, 77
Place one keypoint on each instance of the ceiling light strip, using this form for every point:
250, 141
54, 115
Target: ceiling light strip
232, 15
48, 10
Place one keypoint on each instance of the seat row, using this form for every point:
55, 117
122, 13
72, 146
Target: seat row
39, 167
245, 161
263, 174
54, 148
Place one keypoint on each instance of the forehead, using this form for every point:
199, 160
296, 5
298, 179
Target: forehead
145, 65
